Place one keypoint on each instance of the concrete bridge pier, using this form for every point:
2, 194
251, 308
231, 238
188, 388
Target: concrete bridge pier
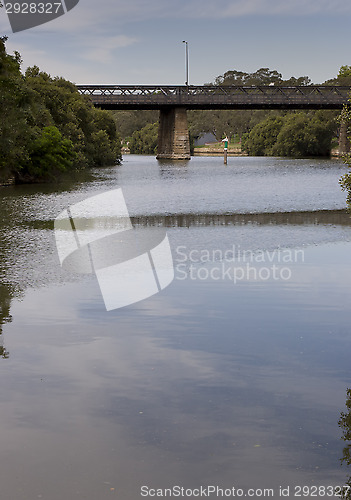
173, 135
344, 143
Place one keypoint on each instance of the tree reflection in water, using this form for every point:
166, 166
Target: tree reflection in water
345, 425
5, 317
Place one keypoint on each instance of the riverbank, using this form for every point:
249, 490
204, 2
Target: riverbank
335, 153
9, 182
217, 149
218, 152
213, 150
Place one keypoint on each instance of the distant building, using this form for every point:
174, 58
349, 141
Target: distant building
205, 138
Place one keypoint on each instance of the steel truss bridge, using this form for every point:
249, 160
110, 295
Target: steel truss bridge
216, 97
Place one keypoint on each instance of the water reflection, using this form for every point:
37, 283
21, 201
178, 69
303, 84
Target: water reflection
318, 217
207, 380
172, 165
172, 171
5, 316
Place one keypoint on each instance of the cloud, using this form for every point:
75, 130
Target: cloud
127, 39
139, 10
30, 55
239, 8
113, 16
102, 49
83, 52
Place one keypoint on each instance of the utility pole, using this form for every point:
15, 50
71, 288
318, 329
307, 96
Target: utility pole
186, 63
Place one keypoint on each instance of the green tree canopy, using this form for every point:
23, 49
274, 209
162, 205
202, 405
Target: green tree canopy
51, 155
144, 141
262, 138
305, 135
262, 76
127, 122
15, 101
295, 134
48, 120
344, 72
76, 118
345, 180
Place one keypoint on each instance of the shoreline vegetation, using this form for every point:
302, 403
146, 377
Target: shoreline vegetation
47, 129
296, 134
234, 149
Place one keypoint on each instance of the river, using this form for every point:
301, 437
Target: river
233, 376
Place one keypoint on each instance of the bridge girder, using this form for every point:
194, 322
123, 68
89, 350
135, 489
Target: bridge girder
115, 97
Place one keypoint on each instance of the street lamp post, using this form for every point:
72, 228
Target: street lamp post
186, 62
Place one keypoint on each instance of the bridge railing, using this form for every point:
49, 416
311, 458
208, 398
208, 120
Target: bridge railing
211, 96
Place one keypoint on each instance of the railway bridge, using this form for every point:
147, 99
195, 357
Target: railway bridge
173, 101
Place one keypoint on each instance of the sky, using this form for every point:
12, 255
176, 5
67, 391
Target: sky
133, 42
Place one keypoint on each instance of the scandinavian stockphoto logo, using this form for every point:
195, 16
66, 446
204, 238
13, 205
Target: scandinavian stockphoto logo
97, 236
24, 15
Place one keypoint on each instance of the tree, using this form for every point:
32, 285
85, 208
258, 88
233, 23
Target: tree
49, 128
296, 134
262, 138
300, 81
345, 180
342, 78
304, 135
344, 72
144, 141
101, 152
263, 76
76, 118
15, 101
127, 122
51, 155
225, 122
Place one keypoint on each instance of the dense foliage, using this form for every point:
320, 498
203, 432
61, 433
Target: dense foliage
144, 141
128, 122
342, 78
263, 137
263, 76
345, 180
295, 134
47, 128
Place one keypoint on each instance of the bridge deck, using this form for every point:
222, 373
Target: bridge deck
217, 97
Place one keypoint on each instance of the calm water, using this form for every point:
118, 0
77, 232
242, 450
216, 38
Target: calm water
233, 380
